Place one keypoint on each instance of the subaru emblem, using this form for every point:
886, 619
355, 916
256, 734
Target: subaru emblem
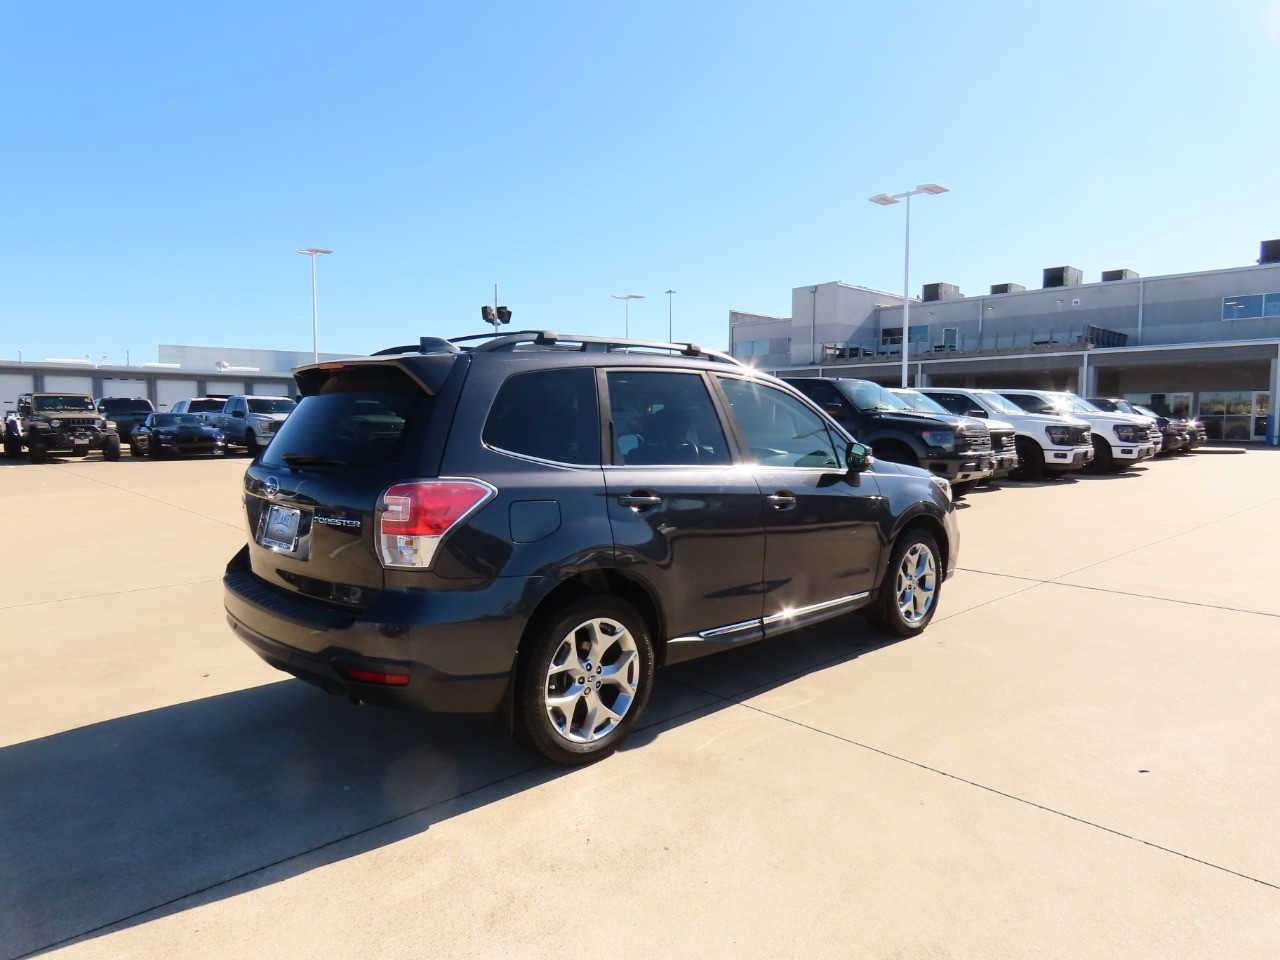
270, 486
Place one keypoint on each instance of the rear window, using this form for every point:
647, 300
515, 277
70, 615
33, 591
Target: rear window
117, 405
360, 416
206, 406
548, 414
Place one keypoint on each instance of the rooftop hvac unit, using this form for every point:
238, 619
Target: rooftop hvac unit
941, 291
1007, 288
1270, 252
1062, 277
1118, 275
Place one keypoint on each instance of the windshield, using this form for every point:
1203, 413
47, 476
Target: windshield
1146, 411
176, 420
1001, 404
270, 405
919, 402
1033, 404
51, 403
866, 395
1073, 404
115, 405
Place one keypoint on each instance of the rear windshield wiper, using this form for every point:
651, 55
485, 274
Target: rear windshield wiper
312, 460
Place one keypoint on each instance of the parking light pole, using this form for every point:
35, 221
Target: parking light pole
670, 333
885, 199
626, 299
314, 252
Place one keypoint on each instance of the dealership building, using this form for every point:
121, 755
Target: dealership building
181, 372
1206, 343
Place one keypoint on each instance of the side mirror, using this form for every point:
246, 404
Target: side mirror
977, 412
238, 413
857, 456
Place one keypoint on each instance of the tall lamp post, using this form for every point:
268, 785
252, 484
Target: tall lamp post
314, 252
626, 299
885, 200
670, 334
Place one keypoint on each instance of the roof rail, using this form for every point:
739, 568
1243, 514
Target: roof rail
547, 338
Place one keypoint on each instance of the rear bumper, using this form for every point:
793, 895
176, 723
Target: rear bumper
457, 647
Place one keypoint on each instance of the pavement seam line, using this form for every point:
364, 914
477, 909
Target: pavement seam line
116, 486
982, 786
115, 593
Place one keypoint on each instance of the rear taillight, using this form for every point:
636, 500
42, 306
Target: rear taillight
413, 517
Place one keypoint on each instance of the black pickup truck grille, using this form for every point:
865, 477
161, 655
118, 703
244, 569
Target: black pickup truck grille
977, 442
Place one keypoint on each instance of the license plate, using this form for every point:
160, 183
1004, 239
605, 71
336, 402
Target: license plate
280, 530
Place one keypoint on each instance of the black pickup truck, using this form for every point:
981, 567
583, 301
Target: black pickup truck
956, 449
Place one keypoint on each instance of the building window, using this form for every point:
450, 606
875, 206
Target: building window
751, 348
893, 335
1251, 307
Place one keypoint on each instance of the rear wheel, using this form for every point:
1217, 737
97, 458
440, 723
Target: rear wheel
911, 587
585, 680
1030, 460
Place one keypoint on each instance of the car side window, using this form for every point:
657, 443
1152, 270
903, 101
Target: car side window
779, 429
953, 402
549, 415
664, 419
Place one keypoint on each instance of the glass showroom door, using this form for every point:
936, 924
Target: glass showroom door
1261, 407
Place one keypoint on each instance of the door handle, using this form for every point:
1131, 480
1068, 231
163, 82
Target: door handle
781, 500
639, 501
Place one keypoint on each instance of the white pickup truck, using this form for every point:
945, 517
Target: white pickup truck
1119, 439
251, 421
1046, 443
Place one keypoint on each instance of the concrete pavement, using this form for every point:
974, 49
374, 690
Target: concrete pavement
1079, 758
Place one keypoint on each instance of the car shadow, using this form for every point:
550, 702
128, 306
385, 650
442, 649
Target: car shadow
128, 820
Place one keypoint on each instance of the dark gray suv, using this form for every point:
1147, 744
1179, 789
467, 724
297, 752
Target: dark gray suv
531, 524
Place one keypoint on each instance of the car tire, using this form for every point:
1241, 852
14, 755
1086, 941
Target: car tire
1030, 460
12, 448
911, 587
1103, 461
251, 444
153, 448
134, 450
37, 452
585, 679
112, 449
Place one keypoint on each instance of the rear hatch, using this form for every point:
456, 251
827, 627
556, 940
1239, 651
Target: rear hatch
311, 498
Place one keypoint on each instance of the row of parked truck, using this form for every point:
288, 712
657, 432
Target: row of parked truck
969, 435
45, 424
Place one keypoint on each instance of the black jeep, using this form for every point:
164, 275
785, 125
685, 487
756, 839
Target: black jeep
57, 423
530, 524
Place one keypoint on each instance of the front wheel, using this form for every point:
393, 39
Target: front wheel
1103, 461
1030, 460
585, 681
12, 448
911, 587
251, 443
37, 452
112, 450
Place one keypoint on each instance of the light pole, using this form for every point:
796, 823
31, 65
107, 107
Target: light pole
885, 200
626, 299
314, 252
670, 335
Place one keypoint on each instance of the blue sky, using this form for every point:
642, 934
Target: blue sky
161, 162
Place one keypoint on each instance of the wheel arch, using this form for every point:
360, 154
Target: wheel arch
605, 581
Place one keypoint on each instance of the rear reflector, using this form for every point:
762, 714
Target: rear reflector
386, 679
413, 517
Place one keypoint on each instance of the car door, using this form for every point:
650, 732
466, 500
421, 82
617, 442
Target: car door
822, 525
685, 519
